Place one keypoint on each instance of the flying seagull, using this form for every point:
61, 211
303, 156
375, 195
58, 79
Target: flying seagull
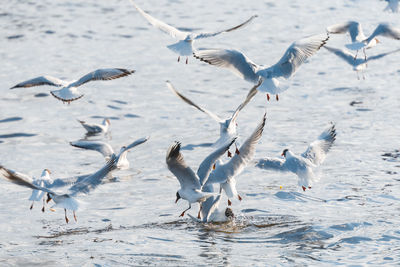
304, 164
184, 47
242, 66
69, 90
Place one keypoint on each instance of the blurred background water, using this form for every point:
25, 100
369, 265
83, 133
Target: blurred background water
353, 219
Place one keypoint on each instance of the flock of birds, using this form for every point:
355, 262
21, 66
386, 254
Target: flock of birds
214, 175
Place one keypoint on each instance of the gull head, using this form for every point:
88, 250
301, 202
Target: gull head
106, 122
284, 152
229, 213
49, 197
177, 197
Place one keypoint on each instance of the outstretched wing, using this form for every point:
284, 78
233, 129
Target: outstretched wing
343, 54
190, 102
137, 142
21, 179
253, 91
272, 164
317, 150
296, 55
176, 164
207, 164
174, 32
91, 182
103, 74
353, 27
42, 80
375, 57
233, 60
102, 147
246, 153
386, 30
210, 34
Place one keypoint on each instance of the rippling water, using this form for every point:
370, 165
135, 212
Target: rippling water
349, 218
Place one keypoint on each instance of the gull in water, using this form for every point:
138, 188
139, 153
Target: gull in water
95, 128
304, 164
392, 5
107, 151
227, 129
209, 209
191, 188
359, 40
225, 173
242, 66
184, 47
67, 201
44, 181
357, 64
69, 90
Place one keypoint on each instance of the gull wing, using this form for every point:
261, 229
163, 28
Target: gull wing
102, 74
317, 150
353, 27
386, 30
190, 102
272, 164
207, 164
343, 54
233, 60
137, 142
382, 55
102, 147
206, 35
22, 179
92, 181
253, 91
174, 32
246, 153
297, 53
176, 164
42, 80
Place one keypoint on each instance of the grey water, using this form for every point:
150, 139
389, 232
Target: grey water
350, 217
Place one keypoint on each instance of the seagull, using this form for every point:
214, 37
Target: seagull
191, 188
69, 90
304, 164
44, 181
225, 173
358, 64
67, 201
242, 66
209, 209
393, 5
358, 39
227, 127
184, 47
95, 128
107, 151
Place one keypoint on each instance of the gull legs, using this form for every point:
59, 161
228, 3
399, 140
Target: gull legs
183, 213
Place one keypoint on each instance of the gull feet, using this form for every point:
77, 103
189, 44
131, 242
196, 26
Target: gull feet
75, 216
268, 97
182, 214
187, 60
239, 197
229, 154
229, 202
277, 97
179, 58
31, 206
304, 188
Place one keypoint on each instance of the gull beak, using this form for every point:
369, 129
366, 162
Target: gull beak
214, 166
377, 41
282, 154
48, 198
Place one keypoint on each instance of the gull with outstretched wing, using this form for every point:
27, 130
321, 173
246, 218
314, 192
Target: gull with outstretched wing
69, 90
184, 47
304, 164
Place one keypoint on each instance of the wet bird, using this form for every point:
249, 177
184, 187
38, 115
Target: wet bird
359, 40
107, 151
191, 188
357, 64
184, 47
225, 173
304, 164
95, 128
242, 66
67, 201
69, 90
227, 127
44, 181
